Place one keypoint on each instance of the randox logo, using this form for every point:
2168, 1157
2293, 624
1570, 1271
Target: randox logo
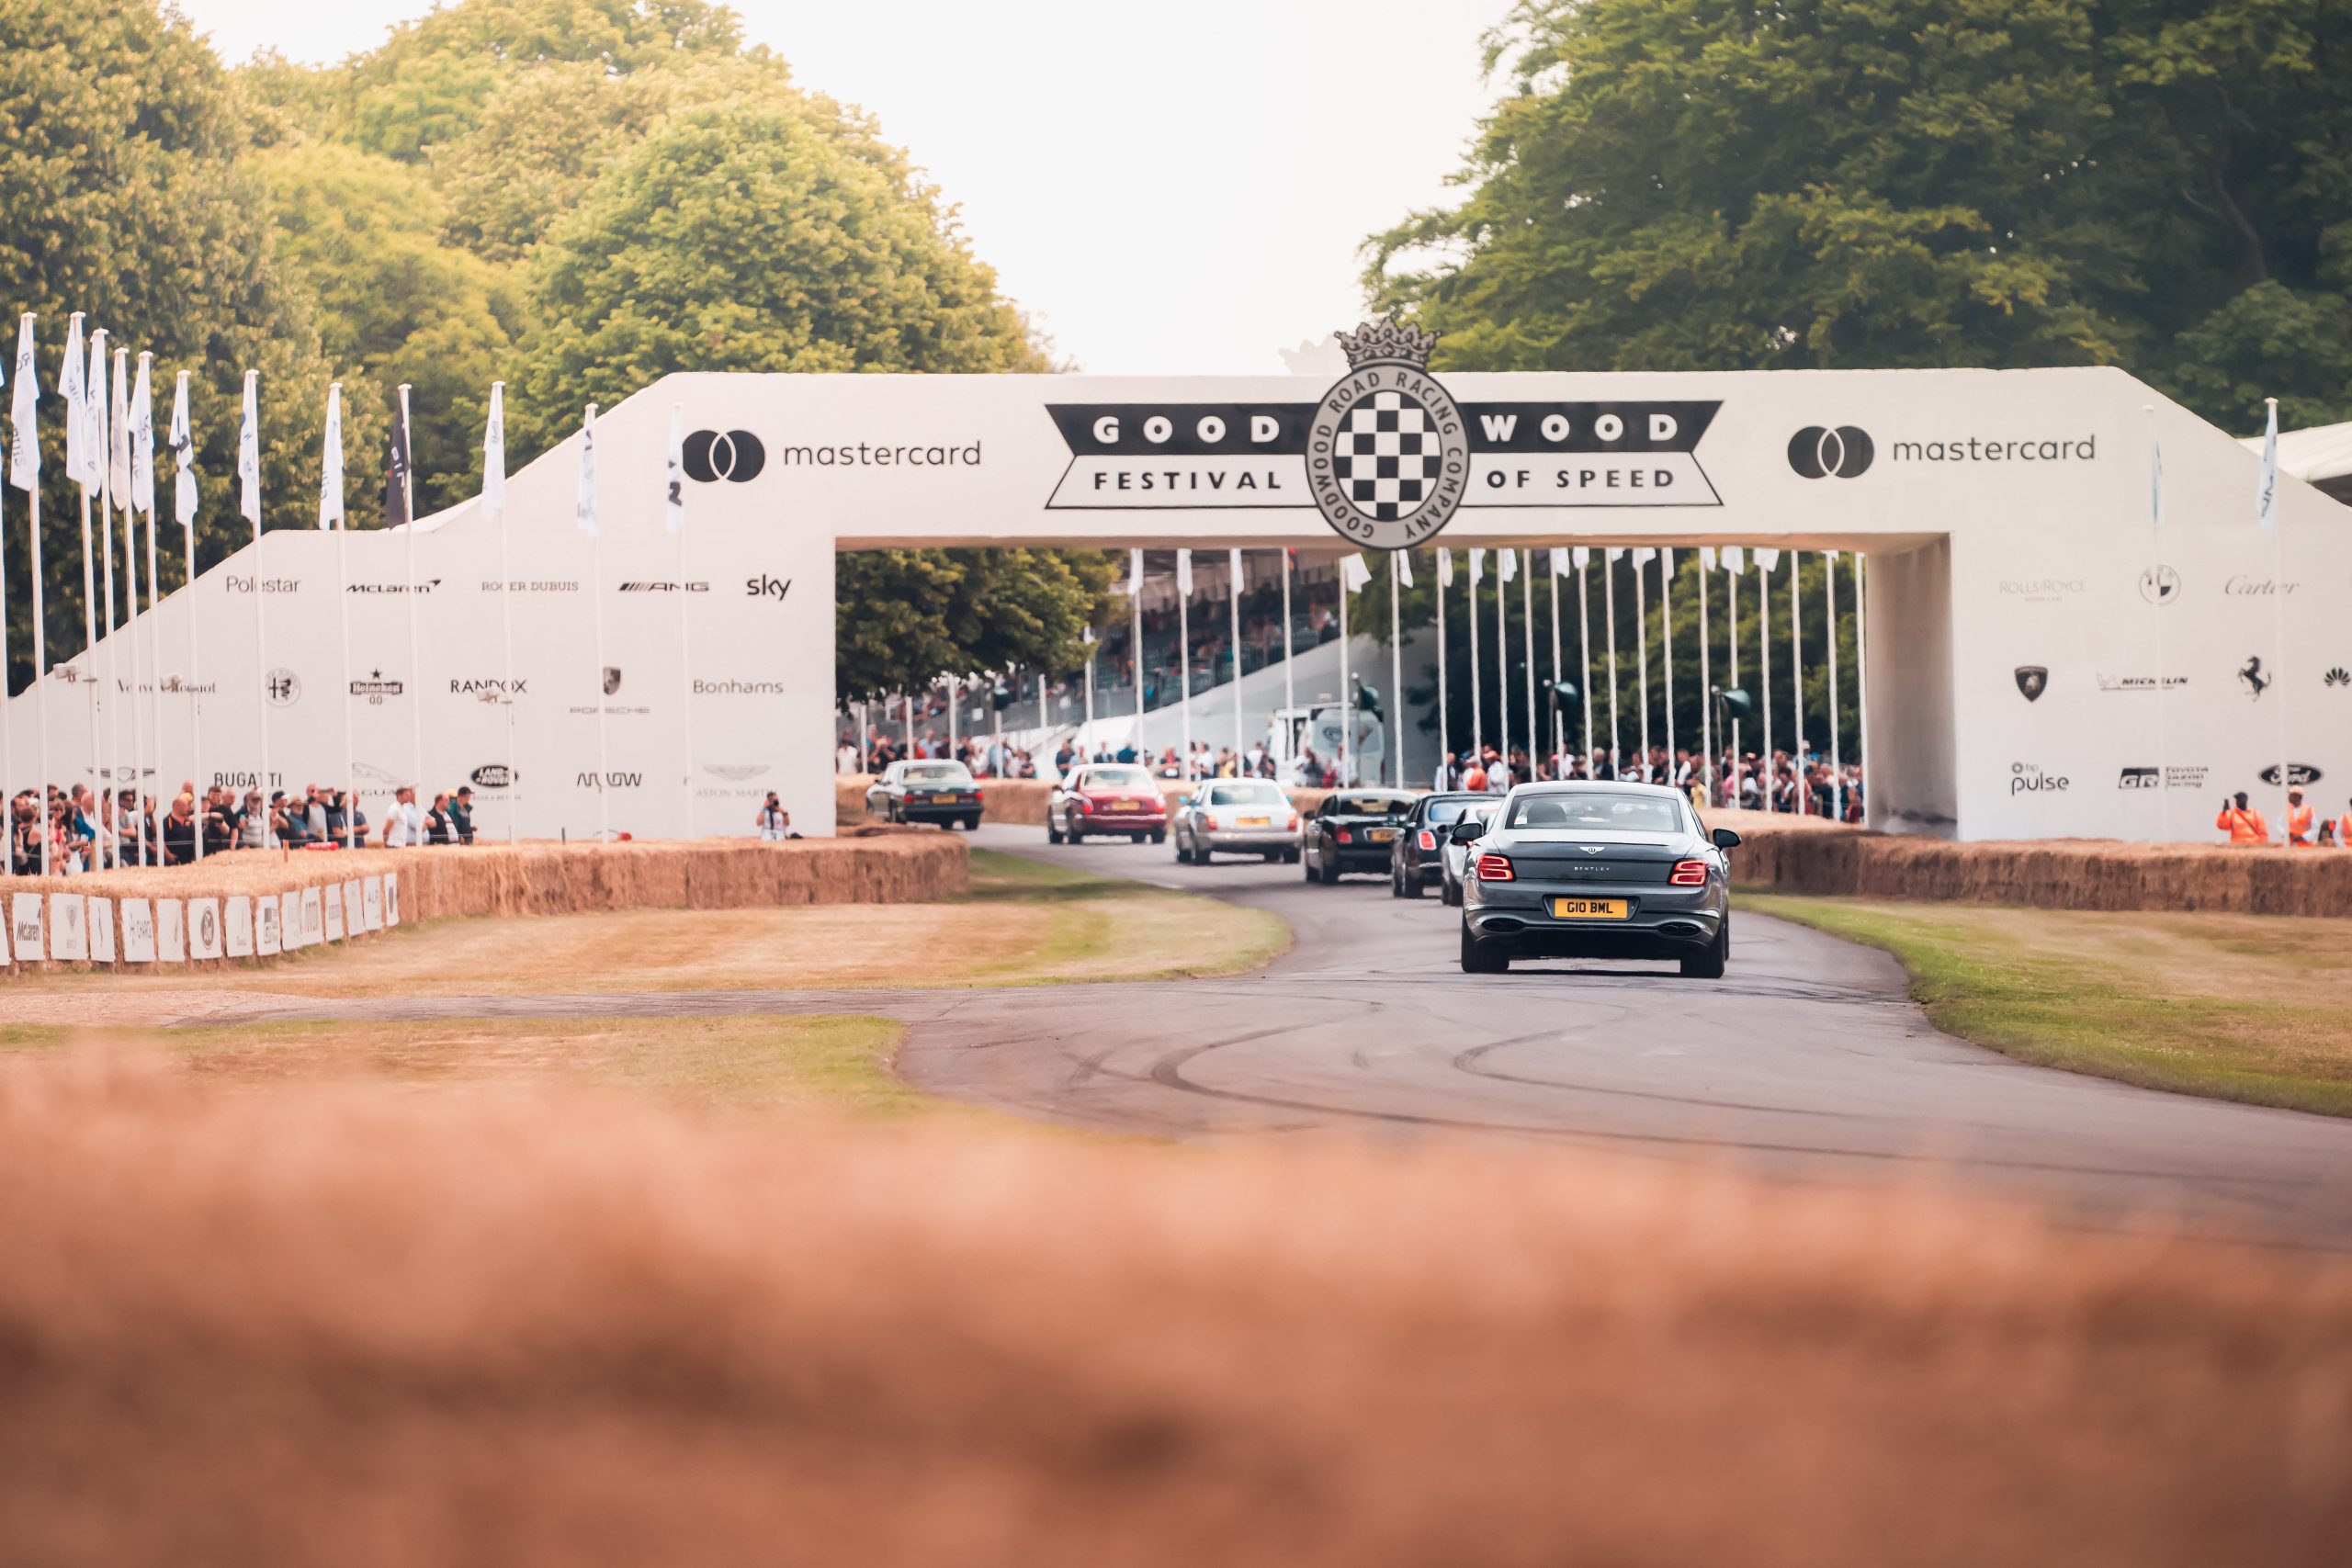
2297, 773
1818, 452
2032, 681
734, 455
2025, 778
489, 688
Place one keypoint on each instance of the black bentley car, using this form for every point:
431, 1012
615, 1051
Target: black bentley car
1417, 858
1352, 830
944, 793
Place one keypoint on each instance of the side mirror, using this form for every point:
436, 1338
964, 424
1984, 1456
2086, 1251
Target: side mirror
1724, 839
1465, 832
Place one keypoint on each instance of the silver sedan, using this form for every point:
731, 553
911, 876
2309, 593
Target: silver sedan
1250, 816
1596, 871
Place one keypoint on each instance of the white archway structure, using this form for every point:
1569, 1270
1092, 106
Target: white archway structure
2007, 516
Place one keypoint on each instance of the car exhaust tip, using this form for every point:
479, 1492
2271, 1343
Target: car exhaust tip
1682, 931
1503, 925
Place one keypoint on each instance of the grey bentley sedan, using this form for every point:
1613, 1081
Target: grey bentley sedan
1596, 871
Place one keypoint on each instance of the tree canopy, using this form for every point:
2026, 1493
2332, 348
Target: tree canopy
1711, 184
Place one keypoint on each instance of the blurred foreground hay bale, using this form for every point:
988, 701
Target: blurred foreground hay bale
329, 1324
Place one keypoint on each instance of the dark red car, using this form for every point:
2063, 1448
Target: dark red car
1097, 799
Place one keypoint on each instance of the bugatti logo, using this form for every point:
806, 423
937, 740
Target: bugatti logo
1816, 453
735, 455
1388, 451
2032, 681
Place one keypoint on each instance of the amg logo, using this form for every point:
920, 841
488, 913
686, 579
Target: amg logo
666, 587
610, 780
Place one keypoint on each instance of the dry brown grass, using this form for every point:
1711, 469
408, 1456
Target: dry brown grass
325, 1323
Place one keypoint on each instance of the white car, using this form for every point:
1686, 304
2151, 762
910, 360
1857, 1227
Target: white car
1237, 817
1457, 854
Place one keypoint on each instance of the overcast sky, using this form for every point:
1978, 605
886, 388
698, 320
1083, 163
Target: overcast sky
1172, 189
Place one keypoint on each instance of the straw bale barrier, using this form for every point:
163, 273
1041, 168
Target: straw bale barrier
1808, 856
871, 866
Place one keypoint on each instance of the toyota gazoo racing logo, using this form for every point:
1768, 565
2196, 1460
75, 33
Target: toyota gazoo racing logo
1388, 451
1817, 452
733, 455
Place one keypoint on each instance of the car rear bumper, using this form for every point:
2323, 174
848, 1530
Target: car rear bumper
1662, 922
1255, 840
930, 812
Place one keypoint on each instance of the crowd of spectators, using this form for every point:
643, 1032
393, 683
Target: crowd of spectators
83, 831
1803, 785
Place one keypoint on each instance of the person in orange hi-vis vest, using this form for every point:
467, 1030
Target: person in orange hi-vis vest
2299, 820
2242, 824
2343, 826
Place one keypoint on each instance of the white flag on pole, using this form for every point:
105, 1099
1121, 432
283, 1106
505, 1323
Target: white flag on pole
1444, 567
1767, 560
76, 391
1135, 574
673, 485
1832, 556
584, 512
1559, 560
94, 409
1707, 558
1404, 567
1506, 564
1353, 573
142, 440
119, 434
1582, 555
331, 462
2265, 492
2155, 473
1735, 558
24, 462
183, 457
1184, 573
493, 455
1477, 567
249, 452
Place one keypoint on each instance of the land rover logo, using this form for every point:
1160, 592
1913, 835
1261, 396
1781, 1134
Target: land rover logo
1388, 451
493, 775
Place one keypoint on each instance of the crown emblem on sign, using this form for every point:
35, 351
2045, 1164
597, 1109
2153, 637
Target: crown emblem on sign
1385, 338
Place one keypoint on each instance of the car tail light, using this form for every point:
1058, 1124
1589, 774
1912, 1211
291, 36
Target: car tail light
1084, 803
1429, 839
1687, 873
1494, 868
1292, 824
1345, 836
979, 795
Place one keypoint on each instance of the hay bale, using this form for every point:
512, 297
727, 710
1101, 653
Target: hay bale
547, 878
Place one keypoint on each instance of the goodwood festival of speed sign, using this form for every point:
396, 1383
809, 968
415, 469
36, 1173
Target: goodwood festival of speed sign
1388, 451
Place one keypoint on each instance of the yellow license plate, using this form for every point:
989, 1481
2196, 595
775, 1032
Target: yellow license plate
1383, 835
1254, 821
1590, 909
943, 800
1125, 806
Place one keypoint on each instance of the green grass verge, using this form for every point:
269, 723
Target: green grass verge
2231, 1007
1110, 929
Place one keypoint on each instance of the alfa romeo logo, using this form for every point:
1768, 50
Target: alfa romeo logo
1388, 451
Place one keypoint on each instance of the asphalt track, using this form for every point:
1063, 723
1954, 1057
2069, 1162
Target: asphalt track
1806, 1061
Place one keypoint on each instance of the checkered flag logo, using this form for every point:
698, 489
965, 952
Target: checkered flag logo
1386, 456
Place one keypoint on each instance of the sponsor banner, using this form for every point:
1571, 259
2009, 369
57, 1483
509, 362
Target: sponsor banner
2032, 778
25, 928
2183, 776
137, 931
68, 927
237, 926
171, 932
101, 924
204, 935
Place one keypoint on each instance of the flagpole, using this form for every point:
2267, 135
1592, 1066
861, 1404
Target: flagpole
1609, 604
1583, 636
493, 498
1796, 672
1232, 605
597, 588
1706, 684
119, 469
1642, 657
101, 447
249, 478
24, 472
77, 453
2267, 513
1290, 682
333, 509
1559, 722
1134, 607
1837, 768
41, 674
1731, 641
1347, 758
2155, 605
145, 436
1666, 651
1502, 659
1527, 644
1764, 643
674, 492
415, 652
1862, 686
1184, 657
182, 492
1477, 706
1444, 730
1396, 659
